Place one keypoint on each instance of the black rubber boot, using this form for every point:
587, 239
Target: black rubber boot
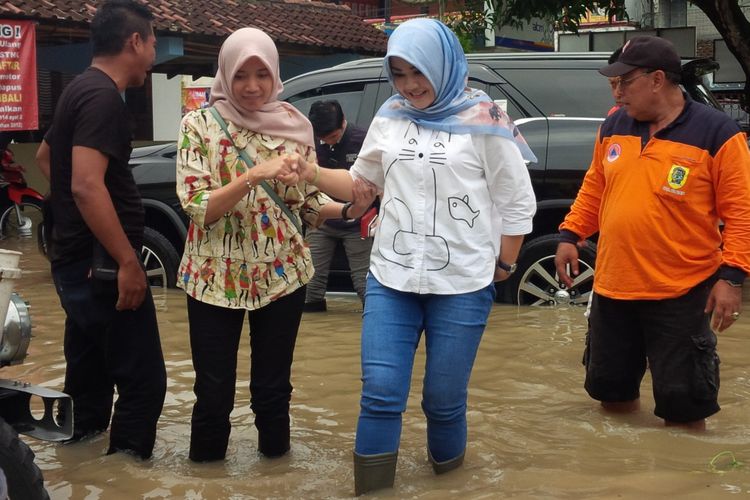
273, 436
448, 465
202, 450
374, 472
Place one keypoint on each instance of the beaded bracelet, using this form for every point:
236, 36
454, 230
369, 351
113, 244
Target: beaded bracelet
250, 185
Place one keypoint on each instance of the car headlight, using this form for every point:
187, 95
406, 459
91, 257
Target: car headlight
16, 334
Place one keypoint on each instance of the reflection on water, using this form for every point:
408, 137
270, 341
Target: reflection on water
533, 432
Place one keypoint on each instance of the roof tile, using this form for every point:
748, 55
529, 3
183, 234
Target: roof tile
301, 22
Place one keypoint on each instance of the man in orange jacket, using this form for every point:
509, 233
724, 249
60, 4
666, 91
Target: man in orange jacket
665, 172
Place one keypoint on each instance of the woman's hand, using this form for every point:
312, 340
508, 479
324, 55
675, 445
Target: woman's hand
290, 179
500, 274
305, 170
363, 194
278, 167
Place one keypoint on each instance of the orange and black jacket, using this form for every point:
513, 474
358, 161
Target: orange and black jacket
657, 203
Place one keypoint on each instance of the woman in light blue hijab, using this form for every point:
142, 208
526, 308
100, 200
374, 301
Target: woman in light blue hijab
457, 108
457, 200
456, 203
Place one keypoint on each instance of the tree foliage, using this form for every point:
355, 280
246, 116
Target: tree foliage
565, 14
726, 15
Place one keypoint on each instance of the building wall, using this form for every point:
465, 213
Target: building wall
166, 106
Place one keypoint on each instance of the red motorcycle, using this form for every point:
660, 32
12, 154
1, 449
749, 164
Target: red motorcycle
20, 205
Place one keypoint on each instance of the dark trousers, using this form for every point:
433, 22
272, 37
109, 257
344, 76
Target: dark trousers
671, 337
107, 349
214, 341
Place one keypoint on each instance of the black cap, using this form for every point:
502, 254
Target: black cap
649, 52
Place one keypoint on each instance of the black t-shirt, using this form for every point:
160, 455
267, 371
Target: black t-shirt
90, 113
342, 155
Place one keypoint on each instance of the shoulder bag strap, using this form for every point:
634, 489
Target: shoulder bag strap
249, 163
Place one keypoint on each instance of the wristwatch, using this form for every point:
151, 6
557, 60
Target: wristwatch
508, 268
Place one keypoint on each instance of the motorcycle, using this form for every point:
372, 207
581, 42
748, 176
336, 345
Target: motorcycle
20, 205
24, 479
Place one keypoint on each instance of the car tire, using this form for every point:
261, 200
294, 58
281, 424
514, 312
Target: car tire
160, 259
535, 281
17, 462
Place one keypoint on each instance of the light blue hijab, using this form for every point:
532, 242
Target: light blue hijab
432, 48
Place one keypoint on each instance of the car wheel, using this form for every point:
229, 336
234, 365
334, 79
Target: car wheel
536, 283
160, 259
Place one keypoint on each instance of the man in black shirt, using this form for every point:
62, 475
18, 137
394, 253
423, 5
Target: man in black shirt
111, 333
338, 146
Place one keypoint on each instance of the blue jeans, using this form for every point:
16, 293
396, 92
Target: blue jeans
392, 326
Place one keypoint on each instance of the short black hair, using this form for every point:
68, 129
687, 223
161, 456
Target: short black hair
326, 116
614, 56
115, 21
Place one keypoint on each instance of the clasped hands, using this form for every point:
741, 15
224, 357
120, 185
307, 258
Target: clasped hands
291, 168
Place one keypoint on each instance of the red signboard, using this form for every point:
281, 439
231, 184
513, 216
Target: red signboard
19, 108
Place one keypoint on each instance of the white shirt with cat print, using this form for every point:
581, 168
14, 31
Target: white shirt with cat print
446, 200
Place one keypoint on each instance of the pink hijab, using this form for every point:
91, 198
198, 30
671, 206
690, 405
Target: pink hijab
275, 118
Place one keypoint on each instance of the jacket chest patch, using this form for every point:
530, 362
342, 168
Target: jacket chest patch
678, 176
614, 152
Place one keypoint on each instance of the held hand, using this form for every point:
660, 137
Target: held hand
363, 194
500, 274
290, 179
131, 286
304, 169
271, 169
724, 303
566, 255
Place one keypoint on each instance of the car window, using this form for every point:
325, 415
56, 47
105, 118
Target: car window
349, 95
505, 101
566, 92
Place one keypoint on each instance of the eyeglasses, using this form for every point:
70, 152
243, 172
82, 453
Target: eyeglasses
624, 84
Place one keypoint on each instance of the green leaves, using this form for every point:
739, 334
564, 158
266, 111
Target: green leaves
565, 15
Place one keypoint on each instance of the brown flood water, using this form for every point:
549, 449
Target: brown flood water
533, 431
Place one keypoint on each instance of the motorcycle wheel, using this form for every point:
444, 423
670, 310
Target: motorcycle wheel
17, 461
30, 212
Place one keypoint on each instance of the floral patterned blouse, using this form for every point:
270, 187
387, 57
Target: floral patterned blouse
253, 254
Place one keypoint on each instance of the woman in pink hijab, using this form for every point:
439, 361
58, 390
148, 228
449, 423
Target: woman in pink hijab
245, 254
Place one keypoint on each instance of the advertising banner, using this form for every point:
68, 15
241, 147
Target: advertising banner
19, 107
194, 98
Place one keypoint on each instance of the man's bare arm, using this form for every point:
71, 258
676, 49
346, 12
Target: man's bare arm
95, 204
42, 158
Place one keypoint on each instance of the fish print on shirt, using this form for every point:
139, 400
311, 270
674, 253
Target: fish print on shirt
460, 209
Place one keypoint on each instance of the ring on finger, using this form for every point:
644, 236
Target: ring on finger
735, 315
